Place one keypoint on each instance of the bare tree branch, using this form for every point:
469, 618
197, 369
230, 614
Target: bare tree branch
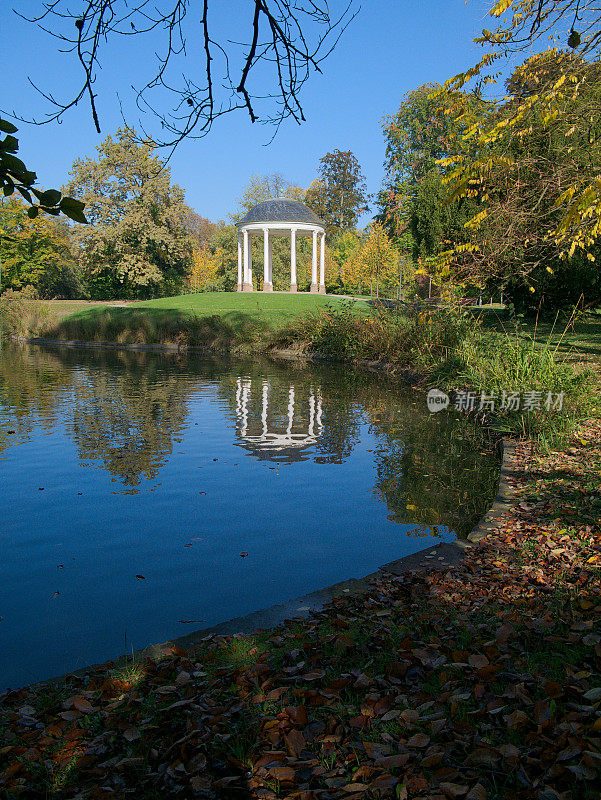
288, 40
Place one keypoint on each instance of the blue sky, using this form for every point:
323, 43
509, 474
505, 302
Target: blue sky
391, 47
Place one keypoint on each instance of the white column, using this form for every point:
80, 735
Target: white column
271, 261
267, 285
244, 407
322, 265
240, 280
264, 408
293, 260
319, 425
290, 412
314, 286
238, 396
311, 412
248, 270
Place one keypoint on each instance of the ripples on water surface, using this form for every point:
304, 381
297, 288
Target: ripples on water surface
132, 482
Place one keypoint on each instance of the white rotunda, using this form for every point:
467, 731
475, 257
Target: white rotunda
280, 217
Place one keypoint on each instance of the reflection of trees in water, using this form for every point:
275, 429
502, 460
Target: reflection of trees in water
127, 412
126, 409
33, 386
129, 422
432, 469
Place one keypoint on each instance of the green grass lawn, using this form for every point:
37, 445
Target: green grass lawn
269, 308
58, 309
218, 319
578, 341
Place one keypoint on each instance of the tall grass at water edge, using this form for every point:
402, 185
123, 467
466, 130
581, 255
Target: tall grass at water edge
449, 349
160, 326
21, 313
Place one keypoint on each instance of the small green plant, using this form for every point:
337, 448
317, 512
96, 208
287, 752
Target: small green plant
240, 651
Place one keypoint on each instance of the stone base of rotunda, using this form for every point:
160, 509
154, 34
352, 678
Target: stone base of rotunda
267, 286
322, 289
239, 287
247, 287
293, 287
314, 288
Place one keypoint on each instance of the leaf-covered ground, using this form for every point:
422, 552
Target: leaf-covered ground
483, 681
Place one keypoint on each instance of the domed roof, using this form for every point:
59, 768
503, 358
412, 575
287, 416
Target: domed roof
282, 209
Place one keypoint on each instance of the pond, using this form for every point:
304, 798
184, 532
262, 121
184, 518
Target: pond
145, 496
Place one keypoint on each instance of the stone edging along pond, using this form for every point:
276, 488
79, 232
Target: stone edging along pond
439, 556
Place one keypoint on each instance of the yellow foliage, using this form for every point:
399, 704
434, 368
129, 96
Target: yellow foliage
204, 267
375, 260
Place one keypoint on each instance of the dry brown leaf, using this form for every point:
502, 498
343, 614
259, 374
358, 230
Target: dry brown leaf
419, 740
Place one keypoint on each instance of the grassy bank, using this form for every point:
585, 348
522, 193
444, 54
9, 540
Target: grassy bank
219, 321
480, 682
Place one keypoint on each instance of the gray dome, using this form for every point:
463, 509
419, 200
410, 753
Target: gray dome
283, 209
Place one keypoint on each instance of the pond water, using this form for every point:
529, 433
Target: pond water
133, 483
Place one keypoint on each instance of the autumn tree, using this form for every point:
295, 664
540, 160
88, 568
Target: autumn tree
520, 172
375, 262
339, 195
551, 88
200, 229
36, 252
137, 244
204, 266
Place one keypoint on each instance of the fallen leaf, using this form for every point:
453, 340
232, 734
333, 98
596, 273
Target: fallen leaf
454, 790
420, 740
477, 792
295, 743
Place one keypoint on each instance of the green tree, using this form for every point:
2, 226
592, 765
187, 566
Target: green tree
224, 243
342, 253
339, 195
138, 243
411, 200
36, 252
265, 187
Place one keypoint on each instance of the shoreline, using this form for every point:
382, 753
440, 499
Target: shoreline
302, 606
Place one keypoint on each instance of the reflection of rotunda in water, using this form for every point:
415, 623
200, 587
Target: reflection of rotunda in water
277, 423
